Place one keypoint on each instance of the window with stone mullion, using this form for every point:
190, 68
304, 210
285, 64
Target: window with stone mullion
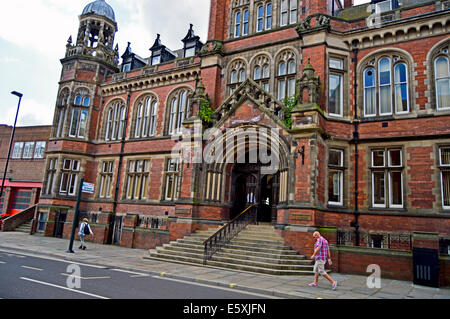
386, 87
286, 79
444, 165
137, 179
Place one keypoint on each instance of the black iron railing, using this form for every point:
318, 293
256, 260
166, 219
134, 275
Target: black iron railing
396, 241
226, 233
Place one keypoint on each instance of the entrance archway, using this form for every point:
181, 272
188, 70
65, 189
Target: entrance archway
252, 186
248, 164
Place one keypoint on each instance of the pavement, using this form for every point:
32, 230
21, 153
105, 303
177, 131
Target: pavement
285, 287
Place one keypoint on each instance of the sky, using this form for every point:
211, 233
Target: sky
34, 33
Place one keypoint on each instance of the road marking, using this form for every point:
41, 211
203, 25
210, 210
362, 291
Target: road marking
54, 259
32, 268
218, 287
2, 262
85, 278
64, 288
135, 274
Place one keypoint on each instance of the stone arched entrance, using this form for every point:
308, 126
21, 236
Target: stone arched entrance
252, 185
248, 169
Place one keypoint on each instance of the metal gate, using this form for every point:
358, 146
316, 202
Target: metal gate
426, 267
117, 230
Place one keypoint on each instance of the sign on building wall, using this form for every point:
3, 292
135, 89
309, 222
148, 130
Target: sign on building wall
88, 188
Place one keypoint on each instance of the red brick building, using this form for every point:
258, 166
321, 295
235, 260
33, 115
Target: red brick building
26, 166
351, 104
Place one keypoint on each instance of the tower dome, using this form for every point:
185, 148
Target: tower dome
100, 7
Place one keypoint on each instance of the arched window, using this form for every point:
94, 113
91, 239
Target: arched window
61, 120
146, 117
286, 72
442, 81
241, 22
115, 121
82, 97
401, 88
370, 94
237, 24
264, 17
288, 12
386, 86
63, 101
238, 75
64, 97
261, 71
177, 111
79, 114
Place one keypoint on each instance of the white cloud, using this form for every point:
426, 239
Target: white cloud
39, 25
8, 59
38, 30
31, 113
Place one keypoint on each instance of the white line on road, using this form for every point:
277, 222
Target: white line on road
85, 278
65, 288
32, 268
55, 259
2, 262
135, 274
217, 287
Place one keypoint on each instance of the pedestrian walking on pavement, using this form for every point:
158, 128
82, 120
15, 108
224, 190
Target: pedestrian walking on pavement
85, 230
321, 255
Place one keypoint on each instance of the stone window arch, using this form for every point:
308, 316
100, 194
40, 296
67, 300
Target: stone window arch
61, 111
115, 121
240, 18
286, 71
260, 71
264, 16
440, 77
386, 85
79, 114
82, 97
145, 116
237, 74
177, 110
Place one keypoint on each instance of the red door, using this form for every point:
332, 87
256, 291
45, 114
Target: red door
20, 200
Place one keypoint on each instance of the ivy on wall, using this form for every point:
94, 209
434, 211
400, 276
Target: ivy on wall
205, 112
289, 104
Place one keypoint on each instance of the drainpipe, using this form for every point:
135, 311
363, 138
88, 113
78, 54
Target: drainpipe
119, 171
355, 223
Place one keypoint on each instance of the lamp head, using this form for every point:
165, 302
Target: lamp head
17, 94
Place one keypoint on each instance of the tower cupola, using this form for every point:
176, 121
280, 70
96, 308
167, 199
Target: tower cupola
100, 7
96, 34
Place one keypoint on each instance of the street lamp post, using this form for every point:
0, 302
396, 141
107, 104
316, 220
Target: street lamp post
19, 95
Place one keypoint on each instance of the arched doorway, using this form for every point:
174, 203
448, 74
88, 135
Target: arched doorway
252, 186
245, 165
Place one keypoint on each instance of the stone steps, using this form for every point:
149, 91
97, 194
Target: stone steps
258, 248
24, 228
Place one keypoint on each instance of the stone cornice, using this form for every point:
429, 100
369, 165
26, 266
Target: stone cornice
150, 80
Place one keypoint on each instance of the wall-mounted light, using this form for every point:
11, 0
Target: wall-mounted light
302, 153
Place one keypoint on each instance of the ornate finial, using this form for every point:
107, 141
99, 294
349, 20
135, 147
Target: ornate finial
69, 41
308, 65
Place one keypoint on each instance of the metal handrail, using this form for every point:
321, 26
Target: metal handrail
227, 232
